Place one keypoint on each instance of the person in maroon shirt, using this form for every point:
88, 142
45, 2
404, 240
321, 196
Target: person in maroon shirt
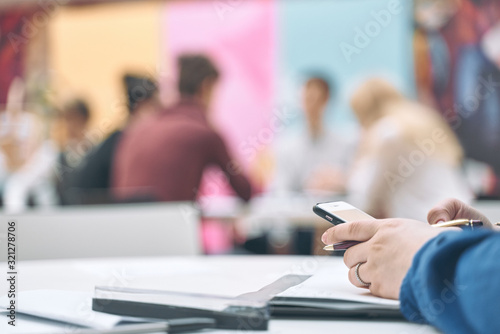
163, 156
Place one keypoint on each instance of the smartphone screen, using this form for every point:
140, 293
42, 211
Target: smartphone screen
340, 212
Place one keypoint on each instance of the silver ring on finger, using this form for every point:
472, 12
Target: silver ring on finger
358, 278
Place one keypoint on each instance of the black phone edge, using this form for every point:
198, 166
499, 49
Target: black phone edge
328, 216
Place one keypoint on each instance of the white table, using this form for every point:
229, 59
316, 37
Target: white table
224, 275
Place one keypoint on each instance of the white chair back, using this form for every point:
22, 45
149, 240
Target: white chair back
105, 231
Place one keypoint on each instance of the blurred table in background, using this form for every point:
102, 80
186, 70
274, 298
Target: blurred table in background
271, 224
278, 216
265, 212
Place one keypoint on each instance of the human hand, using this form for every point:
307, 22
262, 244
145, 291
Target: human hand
386, 252
451, 209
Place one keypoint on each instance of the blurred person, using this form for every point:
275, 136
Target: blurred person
27, 157
408, 158
444, 277
163, 156
75, 145
457, 72
93, 177
316, 160
313, 161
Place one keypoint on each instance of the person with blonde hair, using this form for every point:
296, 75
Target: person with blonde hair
408, 159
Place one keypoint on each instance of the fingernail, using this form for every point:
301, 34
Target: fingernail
323, 238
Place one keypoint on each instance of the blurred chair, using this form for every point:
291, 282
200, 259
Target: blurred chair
106, 231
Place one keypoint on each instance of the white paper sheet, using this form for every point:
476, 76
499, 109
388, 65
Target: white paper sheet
71, 307
331, 282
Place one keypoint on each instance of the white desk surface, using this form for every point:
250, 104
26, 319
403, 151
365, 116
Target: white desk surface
224, 275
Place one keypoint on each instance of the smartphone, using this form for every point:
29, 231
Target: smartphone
340, 212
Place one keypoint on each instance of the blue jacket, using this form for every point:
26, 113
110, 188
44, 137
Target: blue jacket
454, 283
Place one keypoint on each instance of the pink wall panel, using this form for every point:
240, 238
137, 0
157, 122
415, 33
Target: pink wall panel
240, 37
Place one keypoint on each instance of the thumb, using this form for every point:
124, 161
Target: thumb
444, 211
437, 216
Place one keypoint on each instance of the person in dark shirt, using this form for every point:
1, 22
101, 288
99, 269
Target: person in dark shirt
164, 156
93, 178
75, 119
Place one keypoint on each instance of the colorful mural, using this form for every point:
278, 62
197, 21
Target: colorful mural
458, 61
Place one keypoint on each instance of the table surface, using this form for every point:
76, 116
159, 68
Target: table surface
223, 275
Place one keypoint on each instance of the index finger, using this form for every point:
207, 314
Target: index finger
355, 231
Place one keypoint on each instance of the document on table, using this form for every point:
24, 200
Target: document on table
71, 307
330, 284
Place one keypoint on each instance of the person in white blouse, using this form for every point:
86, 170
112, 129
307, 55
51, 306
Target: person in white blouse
409, 158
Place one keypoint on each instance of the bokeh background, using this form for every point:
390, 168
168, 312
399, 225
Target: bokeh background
442, 53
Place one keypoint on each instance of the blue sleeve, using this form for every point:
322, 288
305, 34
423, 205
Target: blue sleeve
454, 283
